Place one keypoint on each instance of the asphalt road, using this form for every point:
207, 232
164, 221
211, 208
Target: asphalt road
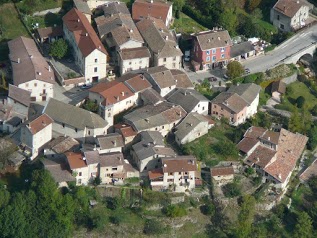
273, 58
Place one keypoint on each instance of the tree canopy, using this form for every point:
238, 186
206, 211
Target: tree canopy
235, 69
59, 48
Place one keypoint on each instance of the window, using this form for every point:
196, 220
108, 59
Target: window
95, 69
145, 168
63, 125
170, 174
88, 132
208, 52
278, 17
174, 65
222, 56
214, 59
156, 128
140, 62
80, 174
26, 85
198, 105
76, 129
115, 169
174, 58
223, 49
203, 108
35, 84
130, 63
96, 60
44, 85
213, 51
79, 181
162, 127
221, 109
208, 58
164, 60
282, 26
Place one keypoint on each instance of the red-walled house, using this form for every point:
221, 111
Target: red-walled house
211, 48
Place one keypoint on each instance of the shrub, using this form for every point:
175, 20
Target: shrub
235, 69
231, 190
153, 227
207, 209
58, 48
175, 211
97, 181
300, 101
249, 171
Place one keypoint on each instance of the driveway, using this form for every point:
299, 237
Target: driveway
198, 77
71, 96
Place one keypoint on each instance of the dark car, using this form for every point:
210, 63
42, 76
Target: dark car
212, 79
247, 70
86, 86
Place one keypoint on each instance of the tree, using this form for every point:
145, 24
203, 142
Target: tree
228, 19
314, 110
252, 4
175, 211
300, 101
99, 218
303, 227
178, 6
245, 217
294, 123
58, 48
235, 69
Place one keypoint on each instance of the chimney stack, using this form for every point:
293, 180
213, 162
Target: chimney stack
78, 20
49, 68
122, 93
166, 37
19, 60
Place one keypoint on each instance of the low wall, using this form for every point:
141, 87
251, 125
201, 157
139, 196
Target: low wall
290, 79
43, 13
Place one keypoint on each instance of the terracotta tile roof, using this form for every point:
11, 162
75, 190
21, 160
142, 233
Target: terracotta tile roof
310, 172
50, 32
271, 136
112, 92
246, 144
20, 95
134, 53
179, 164
75, 160
182, 79
27, 62
213, 39
289, 7
125, 130
290, 148
144, 8
278, 86
156, 173
254, 132
231, 101
261, 156
137, 82
39, 123
158, 38
85, 36
221, 171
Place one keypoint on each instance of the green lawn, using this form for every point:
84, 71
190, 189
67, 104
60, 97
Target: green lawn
49, 19
185, 24
297, 89
42, 5
11, 28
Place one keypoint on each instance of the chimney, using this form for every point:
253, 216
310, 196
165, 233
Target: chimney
279, 176
78, 20
86, 34
151, 1
31, 56
40, 73
166, 37
218, 37
122, 93
147, 120
208, 40
49, 68
118, 99
99, 47
131, 30
19, 60
114, 143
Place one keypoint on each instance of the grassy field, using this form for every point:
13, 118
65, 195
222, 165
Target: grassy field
48, 4
11, 27
185, 24
297, 89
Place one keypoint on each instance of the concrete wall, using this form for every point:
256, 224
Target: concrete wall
202, 108
253, 108
82, 177
95, 60
168, 62
134, 64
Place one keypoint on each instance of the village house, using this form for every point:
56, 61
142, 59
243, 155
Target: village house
82, 6
78, 168
278, 89
36, 133
151, 97
134, 59
222, 175
276, 154
162, 117
161, 79
190, 100
211, 49
180, 173
127, 132
57, 147
309, 172
48, 34
181, 78
88, 51
117, 29
10, 117
242, 50
109, 143
146, 153
237, 104
59, 170
30, 70
193, 126
159, 9
161, 43
250, 92
290, 15
75, 122
112, 97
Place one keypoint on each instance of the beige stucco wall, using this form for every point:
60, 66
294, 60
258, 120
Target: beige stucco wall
84, 177
106, 172
133, 64
169, 62
36, 88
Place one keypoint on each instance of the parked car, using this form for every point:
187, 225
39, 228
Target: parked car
187, 56
212, 79
226, 76
247, 70
86, 86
